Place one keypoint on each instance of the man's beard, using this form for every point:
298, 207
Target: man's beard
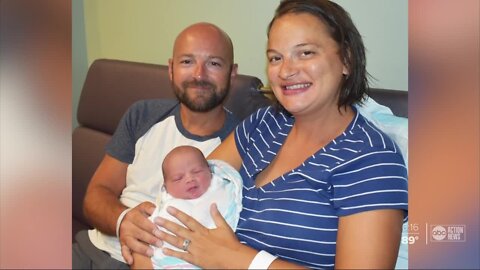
205, 100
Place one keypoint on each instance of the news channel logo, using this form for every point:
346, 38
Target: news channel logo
447, 233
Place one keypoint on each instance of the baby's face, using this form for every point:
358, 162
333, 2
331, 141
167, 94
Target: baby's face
187, 176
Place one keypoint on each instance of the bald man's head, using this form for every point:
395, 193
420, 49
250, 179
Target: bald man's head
206, 34
202, 68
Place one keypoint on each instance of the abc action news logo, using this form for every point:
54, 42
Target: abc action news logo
447, 233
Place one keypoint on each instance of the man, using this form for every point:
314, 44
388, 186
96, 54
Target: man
118, 198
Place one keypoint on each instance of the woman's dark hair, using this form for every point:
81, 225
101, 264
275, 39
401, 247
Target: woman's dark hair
352, 51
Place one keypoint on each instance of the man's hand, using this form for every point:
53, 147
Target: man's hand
137, 232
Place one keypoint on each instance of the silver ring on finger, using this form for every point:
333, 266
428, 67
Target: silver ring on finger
185, 244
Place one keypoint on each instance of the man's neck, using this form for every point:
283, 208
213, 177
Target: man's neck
202, 123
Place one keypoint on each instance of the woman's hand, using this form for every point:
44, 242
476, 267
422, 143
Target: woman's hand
208, 248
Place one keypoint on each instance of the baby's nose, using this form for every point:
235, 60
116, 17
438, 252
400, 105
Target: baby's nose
190, 178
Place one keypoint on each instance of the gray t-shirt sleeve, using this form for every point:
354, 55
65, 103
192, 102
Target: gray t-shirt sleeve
138, 119
142, 115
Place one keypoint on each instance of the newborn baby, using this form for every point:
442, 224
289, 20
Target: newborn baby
192, 184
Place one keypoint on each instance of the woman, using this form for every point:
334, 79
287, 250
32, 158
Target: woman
323, 187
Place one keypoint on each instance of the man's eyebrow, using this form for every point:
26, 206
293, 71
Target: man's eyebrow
216, 58
208, 56
271, 51
184, 55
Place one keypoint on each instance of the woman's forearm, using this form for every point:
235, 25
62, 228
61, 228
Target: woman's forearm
243, 258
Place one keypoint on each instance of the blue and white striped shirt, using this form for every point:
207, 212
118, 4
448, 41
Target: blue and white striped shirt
296, 216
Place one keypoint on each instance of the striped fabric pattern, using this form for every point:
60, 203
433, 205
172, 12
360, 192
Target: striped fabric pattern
296, 216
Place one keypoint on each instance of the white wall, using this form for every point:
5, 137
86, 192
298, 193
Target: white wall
383, 25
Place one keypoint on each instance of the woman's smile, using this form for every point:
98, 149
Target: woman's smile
297, 88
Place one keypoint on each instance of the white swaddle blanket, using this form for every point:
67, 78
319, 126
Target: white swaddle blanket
225, 190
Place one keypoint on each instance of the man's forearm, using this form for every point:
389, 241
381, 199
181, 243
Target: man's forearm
102, 208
